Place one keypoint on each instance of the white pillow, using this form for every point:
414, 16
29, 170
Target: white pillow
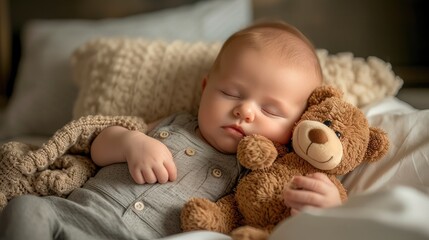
44, 94
407, 161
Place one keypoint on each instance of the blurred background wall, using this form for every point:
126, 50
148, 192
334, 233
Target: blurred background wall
396, 31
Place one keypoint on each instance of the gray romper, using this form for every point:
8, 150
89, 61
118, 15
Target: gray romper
112, 206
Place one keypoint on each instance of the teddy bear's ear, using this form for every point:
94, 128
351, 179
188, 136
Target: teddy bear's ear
323, 92
378, 144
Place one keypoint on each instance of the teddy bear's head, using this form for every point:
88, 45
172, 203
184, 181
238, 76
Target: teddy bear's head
334, 136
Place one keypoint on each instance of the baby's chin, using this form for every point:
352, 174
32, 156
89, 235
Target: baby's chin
226, 147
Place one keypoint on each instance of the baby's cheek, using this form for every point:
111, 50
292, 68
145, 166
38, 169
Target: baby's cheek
281, 135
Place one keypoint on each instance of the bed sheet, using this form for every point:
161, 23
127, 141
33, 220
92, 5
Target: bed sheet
407, 161
394, 214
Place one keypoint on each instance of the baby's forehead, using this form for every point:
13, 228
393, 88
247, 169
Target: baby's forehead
287, 48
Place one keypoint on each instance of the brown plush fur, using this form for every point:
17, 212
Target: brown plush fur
257, 206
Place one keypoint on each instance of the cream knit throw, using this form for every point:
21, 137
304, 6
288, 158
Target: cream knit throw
61, 164
151, 79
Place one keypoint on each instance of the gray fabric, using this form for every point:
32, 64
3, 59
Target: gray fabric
107, 206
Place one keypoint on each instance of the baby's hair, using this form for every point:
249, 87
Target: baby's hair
274, 34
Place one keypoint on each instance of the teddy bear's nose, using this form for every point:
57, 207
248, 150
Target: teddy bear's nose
317, 135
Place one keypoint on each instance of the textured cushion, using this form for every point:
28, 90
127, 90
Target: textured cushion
153, 79
139, 77
44, 94
363, 81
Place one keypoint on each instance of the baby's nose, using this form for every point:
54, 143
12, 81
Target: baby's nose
245, 112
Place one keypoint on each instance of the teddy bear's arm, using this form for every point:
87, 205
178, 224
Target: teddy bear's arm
250, 233
256, 152
202, 214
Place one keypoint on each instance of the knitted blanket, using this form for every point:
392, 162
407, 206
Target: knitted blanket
59, 165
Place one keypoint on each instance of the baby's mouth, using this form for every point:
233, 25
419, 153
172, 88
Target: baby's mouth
236, 130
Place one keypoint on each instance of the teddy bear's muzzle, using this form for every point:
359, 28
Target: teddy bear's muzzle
318, 144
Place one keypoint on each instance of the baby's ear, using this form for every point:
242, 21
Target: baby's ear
322, 93
204, 82
378, 144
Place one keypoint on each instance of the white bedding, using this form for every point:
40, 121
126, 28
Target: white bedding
394, 214
407, 162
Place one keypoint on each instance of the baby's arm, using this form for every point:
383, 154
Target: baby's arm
315, 190
148, 159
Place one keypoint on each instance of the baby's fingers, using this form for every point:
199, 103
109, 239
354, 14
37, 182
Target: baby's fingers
322, 177
148, 175
137, 176
170, 166
161, 174
299, 198
294, 211
310, 184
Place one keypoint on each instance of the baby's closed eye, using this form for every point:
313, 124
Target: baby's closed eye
231, 94
272, 111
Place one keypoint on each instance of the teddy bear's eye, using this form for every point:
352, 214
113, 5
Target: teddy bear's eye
338, 134
327, 123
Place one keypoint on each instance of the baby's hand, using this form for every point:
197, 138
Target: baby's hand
149, 160
315, 190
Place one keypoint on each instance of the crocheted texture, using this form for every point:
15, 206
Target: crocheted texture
61, 164
362, 81
152, 79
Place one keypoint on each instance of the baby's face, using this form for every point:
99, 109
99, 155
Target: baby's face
252, 92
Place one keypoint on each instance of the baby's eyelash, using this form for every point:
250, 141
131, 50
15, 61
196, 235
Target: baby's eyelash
230, 95
270, 113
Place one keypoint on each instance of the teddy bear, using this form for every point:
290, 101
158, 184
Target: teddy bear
332, 137
61, 164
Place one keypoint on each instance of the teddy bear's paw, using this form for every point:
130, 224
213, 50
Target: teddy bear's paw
202, 214
249, 233
256, 152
